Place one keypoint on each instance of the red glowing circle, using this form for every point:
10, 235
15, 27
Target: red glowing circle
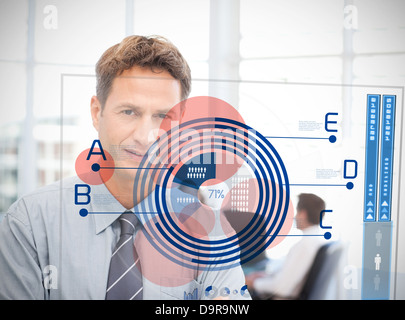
95, 170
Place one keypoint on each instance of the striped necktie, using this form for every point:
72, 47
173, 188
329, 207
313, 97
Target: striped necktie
125, 275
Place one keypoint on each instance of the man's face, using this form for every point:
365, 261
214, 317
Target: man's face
128, 124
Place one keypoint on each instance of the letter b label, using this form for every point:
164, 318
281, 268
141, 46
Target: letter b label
81, 196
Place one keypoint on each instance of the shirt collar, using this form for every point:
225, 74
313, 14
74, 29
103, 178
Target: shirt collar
102, 203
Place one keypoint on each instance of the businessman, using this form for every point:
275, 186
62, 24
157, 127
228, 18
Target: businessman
49, 251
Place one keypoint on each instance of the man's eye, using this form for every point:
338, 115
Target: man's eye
163, 116
128, 112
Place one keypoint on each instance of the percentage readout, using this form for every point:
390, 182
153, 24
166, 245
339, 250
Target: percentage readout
216, 193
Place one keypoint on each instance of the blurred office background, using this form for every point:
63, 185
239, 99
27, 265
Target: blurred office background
49, 49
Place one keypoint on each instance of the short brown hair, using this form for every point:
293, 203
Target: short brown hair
154, 52
312, 204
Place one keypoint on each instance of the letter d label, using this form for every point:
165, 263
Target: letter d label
350, 169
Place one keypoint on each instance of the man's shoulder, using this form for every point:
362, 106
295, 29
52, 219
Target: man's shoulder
51, 190
48, 196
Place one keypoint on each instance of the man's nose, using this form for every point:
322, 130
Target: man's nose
144, 133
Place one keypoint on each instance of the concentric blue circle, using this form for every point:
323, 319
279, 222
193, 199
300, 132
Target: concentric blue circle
246, 244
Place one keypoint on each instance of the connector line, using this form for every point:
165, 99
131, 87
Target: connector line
96, 167
331, 138
145, 168
274, 137
325, 235
300, 235
348, 185
84, 212
317, 185
109, 212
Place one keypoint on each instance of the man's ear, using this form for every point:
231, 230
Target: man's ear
95, 109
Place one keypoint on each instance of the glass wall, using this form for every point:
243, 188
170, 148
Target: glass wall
49, 50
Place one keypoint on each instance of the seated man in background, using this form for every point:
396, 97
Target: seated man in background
289, 279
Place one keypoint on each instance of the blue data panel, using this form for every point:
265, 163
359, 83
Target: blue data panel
387, 153
371, 161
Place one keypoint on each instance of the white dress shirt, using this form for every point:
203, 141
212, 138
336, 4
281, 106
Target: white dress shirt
290, 277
